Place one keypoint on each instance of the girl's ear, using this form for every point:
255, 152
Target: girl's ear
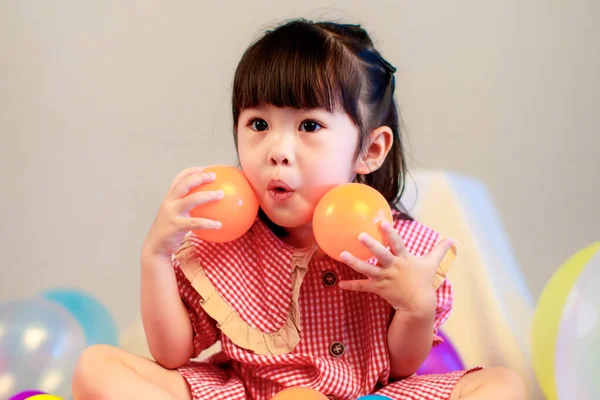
373, 155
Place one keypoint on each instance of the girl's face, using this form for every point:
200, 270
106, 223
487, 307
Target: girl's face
293, 157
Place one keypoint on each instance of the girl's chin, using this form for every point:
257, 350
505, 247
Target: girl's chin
287, 219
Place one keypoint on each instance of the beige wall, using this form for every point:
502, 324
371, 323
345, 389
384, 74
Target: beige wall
102, 102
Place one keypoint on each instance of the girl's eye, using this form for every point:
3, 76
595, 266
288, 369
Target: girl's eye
259, 125
310, 126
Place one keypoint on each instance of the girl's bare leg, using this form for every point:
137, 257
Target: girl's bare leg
106, 372
490, 384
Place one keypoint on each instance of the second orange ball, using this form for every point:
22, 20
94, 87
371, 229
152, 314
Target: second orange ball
343, 213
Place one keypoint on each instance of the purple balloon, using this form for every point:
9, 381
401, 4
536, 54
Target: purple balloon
25, 395
442, 359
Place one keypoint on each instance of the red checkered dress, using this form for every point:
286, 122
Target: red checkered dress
341, 349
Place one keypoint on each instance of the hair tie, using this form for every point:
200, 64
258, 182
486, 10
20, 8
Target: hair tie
387, 65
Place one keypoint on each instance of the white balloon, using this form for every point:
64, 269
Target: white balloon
577, 363
40, 343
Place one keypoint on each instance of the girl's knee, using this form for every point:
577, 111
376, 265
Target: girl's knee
511, 380
507, 383
90, 369
497, 382
97, 356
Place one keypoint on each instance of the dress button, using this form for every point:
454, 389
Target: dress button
329, 278
336, 349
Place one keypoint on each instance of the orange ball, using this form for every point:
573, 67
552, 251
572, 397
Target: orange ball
236, 211
343, 213
299, 393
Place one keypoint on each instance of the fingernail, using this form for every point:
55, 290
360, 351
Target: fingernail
219, 194
217, 224
386, 225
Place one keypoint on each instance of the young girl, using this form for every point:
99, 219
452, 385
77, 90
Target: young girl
313, 107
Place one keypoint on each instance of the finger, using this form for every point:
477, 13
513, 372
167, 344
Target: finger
394, 240
439, 251
191, 181
360, 266
194, 224
181, 175
383, 254
361, 285
186, 204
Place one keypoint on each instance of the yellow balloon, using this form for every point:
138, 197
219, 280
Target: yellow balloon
44, 397
548, 312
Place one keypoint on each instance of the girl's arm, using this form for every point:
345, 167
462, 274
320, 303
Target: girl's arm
409, 339
165, 318
411, 335
405, 281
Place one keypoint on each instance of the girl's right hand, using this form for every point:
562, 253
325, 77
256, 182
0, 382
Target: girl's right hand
173, 221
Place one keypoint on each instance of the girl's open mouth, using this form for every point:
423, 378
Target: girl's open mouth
279, 190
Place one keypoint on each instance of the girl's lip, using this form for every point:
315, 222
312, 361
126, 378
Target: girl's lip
280, 195
278, 186
279, 190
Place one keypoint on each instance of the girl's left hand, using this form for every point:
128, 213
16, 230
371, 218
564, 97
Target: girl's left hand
404, 280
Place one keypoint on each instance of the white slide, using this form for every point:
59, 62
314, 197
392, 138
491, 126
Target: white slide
493, 308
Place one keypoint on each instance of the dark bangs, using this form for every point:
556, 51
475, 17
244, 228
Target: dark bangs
300, 66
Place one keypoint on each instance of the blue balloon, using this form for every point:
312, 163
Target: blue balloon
94, 318
374, 397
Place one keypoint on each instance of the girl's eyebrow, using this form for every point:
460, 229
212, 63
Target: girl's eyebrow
249, 111
254, 109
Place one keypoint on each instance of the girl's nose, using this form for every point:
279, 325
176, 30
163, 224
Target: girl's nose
281, 153
279, 158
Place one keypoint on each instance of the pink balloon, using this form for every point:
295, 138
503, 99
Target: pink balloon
442, 359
